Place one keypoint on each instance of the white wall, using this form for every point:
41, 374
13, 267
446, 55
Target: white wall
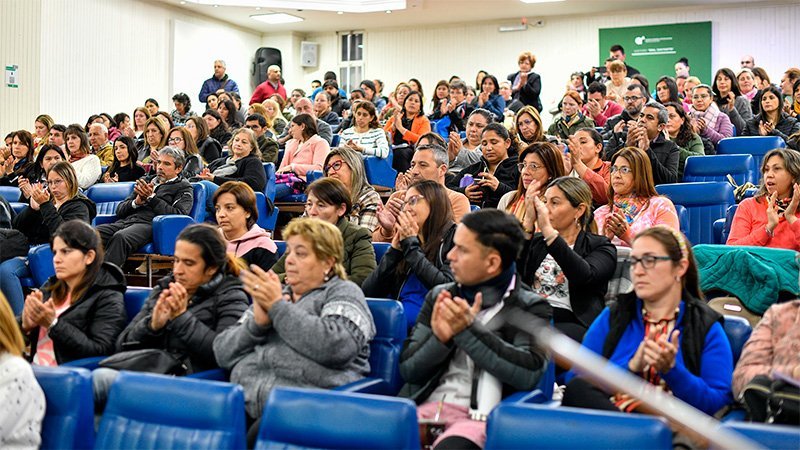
19, 44
435, 53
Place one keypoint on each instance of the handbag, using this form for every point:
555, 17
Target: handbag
772, 401
291, 179
146, 360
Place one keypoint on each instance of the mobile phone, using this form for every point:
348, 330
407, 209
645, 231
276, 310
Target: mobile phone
466, 180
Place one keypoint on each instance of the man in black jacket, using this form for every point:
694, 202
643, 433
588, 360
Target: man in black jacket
616, 128
167, 193
462, 339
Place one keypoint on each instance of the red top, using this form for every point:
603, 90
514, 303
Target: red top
264, 90
750, 227
611, 110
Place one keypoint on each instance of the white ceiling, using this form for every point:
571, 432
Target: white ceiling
430, 12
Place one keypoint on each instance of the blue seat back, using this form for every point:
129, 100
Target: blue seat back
716, 168
757, 146
107, 196
683, 218
386, 346
134, 300
281, 248
335, 140
770, 436
69, 417
10, 193
269, 190
40, 263
266, 220
726, 229
705, 201
198, 211
313, 419
313, 175
380, 249
379, 171
531, 426
738, 330
156, 411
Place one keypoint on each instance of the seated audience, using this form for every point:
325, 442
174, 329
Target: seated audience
417, 260
56, 135
597, 107
528, 127
312, 332
79, 312
267, 145
565, 261
99, 143
663, 332
155, 137
571, 118
166, 193
616, 128
49, 155
217, 128
539, 164
438, 104
647, 134
274, 117
770, 352
681, 133
347, 166
124, 167
371, 94
87, 166
405, 127
22, 415
463, 153
395, 101
339, 102
490, 99
181, 138
707, 120
772, 120
688, 86
583, 161
526, 85
451, 351
244, 165
729, 98
304, 106
140, 117
488, 180
329, 200
322, 109
617, 85
41, 134
187, 309
306, 151
237, 214
667, 91
747, 84
183, 109
366, 135
633, 203
228, 113
769, 219
17, 163
209, 148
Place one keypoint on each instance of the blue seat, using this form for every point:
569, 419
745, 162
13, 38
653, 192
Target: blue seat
683, 218
738, 330
473, 208
380, 249
770, 436
10, 193
281, 248
69, 417
313, 419
156, 411
335, 140
134, 300
722, 227
385, 348
269, 190
716, 168
379, 170
266, 220
18, 206
513, 426
543, 392
705, 201
40, 262
757, 146
106, 197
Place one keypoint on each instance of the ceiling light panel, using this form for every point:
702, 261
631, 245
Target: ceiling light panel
349, 6
276, 18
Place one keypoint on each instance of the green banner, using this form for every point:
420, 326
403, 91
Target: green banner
654, 49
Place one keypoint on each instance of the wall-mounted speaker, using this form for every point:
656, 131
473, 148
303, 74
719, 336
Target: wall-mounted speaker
309, 54
265, 57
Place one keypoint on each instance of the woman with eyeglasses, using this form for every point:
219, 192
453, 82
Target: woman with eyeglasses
707, 119
772, 120
565, 261
180, 137
329, 200
540, 163
663, 332
488, 180
417, 260
571, 119
769, 218
347, 166
528, 126
366, 135
243, 165
633, 203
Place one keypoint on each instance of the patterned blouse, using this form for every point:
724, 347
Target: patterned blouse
365, 210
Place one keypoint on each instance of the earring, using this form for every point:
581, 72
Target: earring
326, 276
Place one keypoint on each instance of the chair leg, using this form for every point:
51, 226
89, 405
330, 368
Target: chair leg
149, 261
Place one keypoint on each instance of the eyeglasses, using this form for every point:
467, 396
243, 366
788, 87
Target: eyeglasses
525, 122
623, 170
337, 166
533, 166
55, 182
412, 202
648, 261
175, 140
700, 96
632, 99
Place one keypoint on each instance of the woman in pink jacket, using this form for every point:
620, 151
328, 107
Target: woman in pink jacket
305, 152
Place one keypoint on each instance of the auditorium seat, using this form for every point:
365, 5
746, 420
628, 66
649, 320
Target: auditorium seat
69, 415
705, 201
717, 167
106, 197
157, 411
738, 331
379, 170
514, 426
10, 193
314, 419
770, 436
757, 146
380, 249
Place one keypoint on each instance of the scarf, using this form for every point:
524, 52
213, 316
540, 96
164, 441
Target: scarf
570, 121
630, 206
493, 289
710, 115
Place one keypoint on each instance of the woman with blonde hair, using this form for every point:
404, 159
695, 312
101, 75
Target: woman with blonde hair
528, 126
312, 332
274, 116
24, 402
41, 134
347, 166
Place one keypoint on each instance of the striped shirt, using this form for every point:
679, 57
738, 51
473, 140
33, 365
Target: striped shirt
373, 140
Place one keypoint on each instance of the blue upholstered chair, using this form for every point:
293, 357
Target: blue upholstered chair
379, 170
705, 201
722, 227
312, 419
770, 436
716, 168
107, 196
514, 426
134, 300
69, 417
156, 411
738, 330
269, 190
757, 146
380, 249
10, 193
